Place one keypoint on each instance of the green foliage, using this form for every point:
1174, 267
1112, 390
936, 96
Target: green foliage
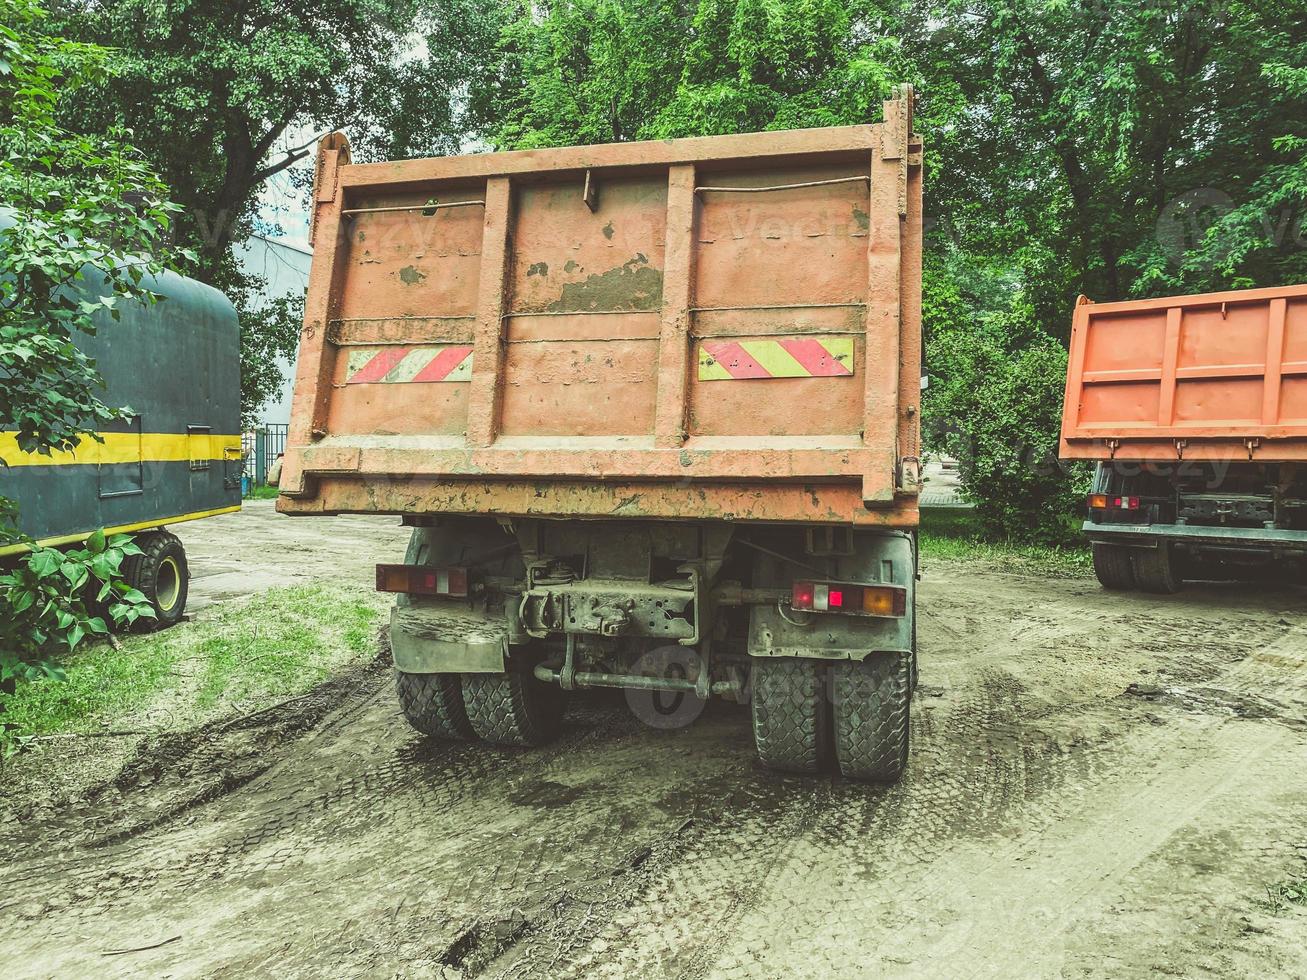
589, 71
996, 405
86, 229
54, 599
89, 224
224, 97
955, 534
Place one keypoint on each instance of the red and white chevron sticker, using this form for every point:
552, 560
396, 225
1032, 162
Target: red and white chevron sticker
408, 365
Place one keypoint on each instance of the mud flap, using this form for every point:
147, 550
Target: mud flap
434, 638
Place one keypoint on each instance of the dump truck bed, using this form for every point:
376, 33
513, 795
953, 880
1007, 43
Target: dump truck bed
1218, 376
723, 327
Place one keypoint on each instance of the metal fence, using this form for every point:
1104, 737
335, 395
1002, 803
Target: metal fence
260, 447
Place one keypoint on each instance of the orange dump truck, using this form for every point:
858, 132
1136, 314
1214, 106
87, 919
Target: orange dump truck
1195, 408
651, 410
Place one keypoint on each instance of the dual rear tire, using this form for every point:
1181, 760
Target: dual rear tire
512, 708
1147, 569
807, 714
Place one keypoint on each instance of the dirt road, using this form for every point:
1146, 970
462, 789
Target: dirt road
1100, 786
241, 554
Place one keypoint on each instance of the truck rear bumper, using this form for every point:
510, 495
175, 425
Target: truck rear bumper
1148, 535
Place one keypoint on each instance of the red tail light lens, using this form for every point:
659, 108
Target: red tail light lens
422, 580
1102, 501
853, 600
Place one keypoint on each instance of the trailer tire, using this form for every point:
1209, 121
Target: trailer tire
1114, 567
159, 573
512, 708
871, 702
1155, 569
433, 704
791, 717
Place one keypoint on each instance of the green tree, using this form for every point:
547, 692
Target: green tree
85, 227
224, 96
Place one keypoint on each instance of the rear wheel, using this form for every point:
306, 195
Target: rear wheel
871, 717
433, 704
791, 726
159, 572
513, 708
1155, 569
1113, 566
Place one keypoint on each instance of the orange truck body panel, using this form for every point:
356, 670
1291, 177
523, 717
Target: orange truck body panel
1218, 376
715, 328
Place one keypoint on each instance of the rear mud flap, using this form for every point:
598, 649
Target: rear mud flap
440, 639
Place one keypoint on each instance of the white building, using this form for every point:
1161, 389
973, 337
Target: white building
284, 266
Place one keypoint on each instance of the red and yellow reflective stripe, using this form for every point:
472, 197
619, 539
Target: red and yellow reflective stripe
793, 357
402, 364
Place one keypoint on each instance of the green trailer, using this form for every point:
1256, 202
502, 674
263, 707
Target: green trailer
176, 365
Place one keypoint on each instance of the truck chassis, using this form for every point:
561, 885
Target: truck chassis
672, 613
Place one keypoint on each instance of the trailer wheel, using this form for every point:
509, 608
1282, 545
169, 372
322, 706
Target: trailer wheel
1155, 569
791, 720
433, 704
159, 572
871, 717
513, 708
1114, 567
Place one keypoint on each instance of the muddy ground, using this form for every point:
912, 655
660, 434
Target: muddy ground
1100, 786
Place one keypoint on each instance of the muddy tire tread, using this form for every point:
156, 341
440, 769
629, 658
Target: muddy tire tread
1114, 567
512, 708
871, 705
1155, 570
791, 723
433, 705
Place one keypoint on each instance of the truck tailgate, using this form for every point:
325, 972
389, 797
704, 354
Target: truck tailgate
724, 327
1213, 376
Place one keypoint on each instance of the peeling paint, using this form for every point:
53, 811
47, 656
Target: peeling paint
862, 218
571, 266
538, 269
608, 231
410, 275
634, 285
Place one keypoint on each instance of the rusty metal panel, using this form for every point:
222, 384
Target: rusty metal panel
1213, 376
713, 313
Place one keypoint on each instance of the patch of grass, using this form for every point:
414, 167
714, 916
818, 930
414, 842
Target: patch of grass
1283, 895
271, 646
262, 493
954, 535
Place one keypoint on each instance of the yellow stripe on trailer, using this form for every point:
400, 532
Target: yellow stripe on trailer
15, 549
128, 447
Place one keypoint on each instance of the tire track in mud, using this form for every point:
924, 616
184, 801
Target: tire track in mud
358, 848
769, 839
285, 809
974, 776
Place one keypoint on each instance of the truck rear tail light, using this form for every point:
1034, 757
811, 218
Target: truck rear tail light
422, 580
1103, 501
855, 600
